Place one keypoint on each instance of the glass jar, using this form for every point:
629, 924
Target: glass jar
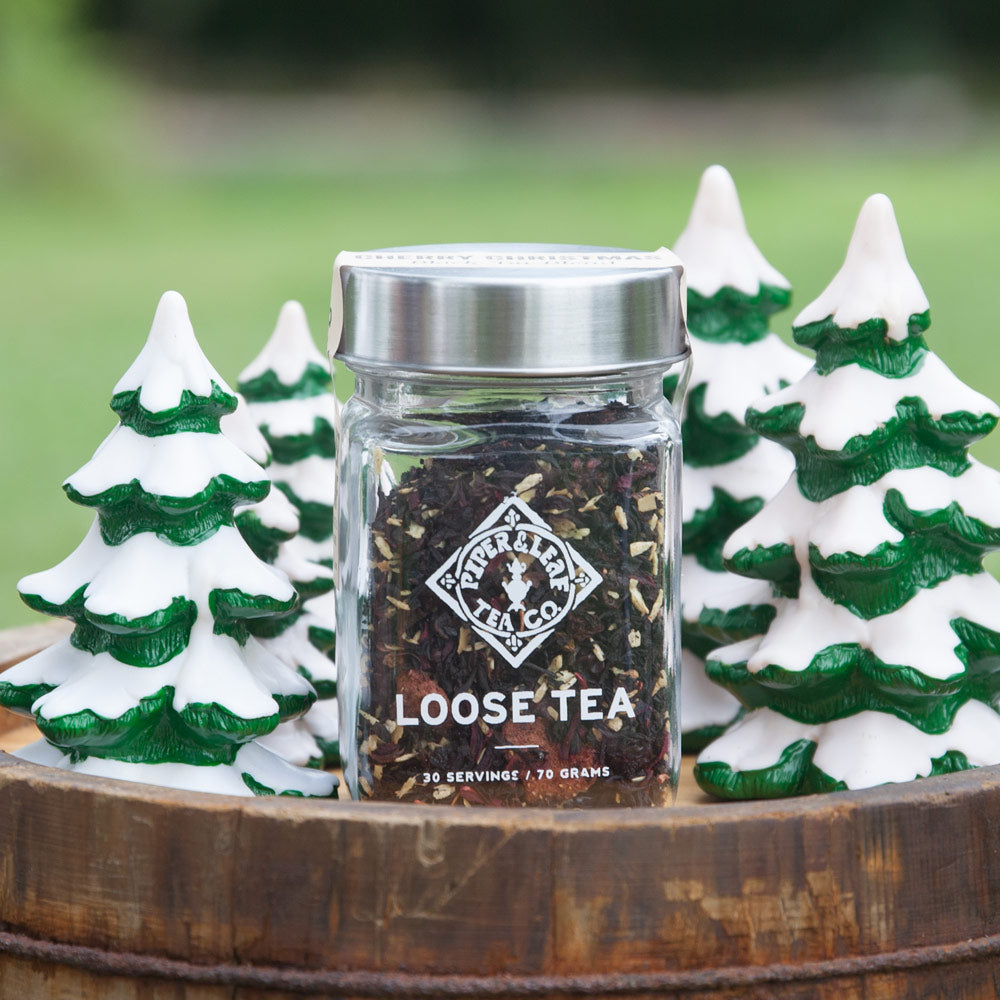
508, 518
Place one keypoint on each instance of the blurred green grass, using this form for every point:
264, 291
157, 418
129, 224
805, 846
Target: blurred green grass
82, 266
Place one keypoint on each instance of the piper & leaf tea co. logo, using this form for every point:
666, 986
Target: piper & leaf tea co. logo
514, 580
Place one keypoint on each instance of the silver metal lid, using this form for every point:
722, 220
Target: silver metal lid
508, 309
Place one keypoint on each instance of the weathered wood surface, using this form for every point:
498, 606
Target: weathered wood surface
117, 890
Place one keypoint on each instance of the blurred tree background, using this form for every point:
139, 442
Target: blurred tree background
512, 46
230, 148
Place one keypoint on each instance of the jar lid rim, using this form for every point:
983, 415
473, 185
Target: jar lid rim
508, 309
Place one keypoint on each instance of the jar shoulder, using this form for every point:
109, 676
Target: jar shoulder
655, 419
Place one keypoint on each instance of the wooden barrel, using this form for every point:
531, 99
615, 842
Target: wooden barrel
117, 890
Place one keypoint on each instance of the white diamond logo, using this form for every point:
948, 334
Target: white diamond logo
514, 580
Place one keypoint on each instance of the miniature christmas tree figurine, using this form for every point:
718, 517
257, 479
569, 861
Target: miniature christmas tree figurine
729, 471
161, 681
300, 639
289, 392
271, 526
882, 661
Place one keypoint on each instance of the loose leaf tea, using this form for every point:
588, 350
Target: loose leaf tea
513, 621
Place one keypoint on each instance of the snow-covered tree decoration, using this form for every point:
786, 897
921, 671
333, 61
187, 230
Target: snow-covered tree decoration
883, 660
161, 680
301, 639
290, 398
271, 527
290, 393
729, 471
274, 520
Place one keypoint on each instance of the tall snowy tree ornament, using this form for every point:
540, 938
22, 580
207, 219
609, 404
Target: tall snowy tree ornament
729, 471
290, 397
161, 681
883, 660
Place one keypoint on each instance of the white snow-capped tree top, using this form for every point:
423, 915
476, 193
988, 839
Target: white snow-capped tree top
715, 246
310, 479
273, 771
276, 512
705, 703
102, 684
289, 350
53, 665
875, 281
58, 584
918, 634
241, 428
174, 465
263, 765
854, 520
292, 417
801, 629
210, 669
759, 473
323, 720
703, 588
237, 677
976, 492
145, 573
295, 560
736, 375
292, 741
171, 360
789, 518
862, 750
852, 400
322, 610
295, 650
309, 548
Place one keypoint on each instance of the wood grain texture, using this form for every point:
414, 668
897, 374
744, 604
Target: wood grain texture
112, 889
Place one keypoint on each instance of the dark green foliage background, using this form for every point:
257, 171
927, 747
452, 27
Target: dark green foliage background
511, 45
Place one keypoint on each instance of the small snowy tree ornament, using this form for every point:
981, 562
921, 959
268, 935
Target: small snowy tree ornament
729, 471
883, 660
300, 639
290, 393
290, 397
161, 681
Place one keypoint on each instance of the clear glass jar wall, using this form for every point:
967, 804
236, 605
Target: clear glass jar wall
508, 613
